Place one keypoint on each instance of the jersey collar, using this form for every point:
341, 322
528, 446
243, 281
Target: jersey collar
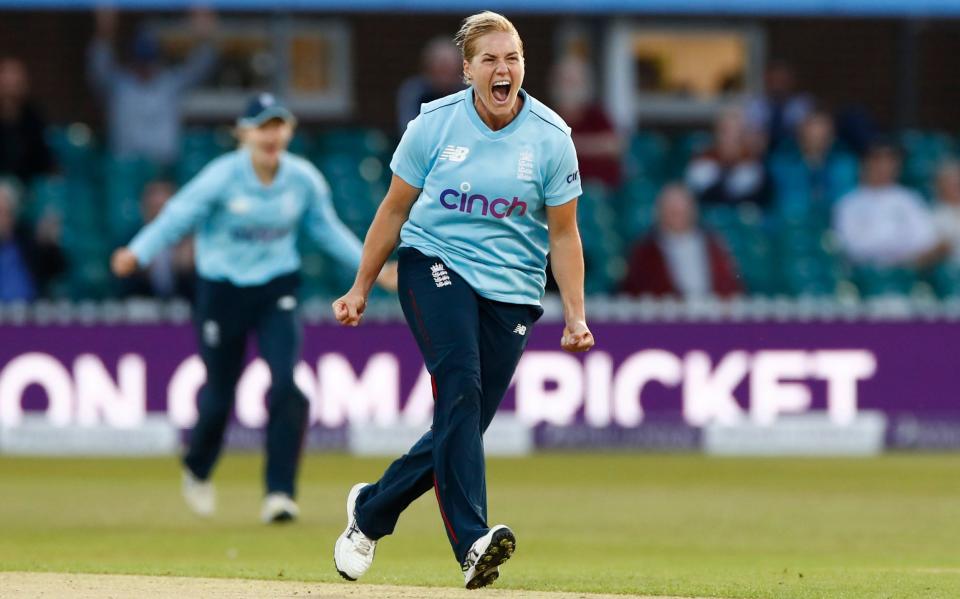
484, 129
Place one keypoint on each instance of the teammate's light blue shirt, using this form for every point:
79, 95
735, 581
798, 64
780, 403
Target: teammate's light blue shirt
482, 208
246, 232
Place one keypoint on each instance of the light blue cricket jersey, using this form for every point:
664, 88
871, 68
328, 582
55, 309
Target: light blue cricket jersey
482, 208
246, 232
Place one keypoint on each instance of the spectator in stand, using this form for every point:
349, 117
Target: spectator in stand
729, 172
946, 214
599, 147
171, 274
23, 149
815, 173
678, 257
777, 114
143, 102
441, 75
883, 224
29, 259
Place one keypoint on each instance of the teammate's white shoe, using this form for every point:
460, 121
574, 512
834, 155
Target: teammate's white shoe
279, 507
480, 568
353, 552
199, 494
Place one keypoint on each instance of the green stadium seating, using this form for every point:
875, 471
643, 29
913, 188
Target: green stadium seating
923, 153
788, 250
355, 142
647, 156
124, 180
75, 149
634, 205
945, 279
873, 282
686, 147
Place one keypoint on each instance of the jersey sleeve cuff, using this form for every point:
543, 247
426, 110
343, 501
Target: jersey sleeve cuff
561, 200
409, 178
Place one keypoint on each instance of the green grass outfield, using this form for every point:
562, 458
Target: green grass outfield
645, 524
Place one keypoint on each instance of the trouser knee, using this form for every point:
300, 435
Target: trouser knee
285, 394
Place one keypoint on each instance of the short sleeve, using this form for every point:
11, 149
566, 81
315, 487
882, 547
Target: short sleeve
563, 181
411, 161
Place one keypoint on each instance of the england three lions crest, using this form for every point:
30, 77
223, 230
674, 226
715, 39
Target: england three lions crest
525, 165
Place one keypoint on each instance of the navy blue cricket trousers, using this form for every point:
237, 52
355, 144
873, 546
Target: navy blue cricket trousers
225, 315
471, 346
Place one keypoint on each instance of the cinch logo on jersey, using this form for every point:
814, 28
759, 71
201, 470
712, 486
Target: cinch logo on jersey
454, 153
452, 199
261, 234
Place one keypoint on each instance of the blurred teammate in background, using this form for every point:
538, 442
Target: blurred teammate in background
246, 209
485, 183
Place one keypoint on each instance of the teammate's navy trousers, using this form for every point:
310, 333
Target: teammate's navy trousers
471, 346
225, 315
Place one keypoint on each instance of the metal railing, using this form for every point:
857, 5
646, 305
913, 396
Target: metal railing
599, 308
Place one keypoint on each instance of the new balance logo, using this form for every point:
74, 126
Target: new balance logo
520, 330
454, 153
440, 275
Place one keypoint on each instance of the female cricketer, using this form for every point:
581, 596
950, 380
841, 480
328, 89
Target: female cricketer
485, 184
247, 208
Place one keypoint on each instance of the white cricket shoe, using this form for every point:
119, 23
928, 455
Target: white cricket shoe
481, 566
279, 507
353, 552
200, 495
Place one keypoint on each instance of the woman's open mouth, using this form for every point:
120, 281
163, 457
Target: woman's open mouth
500, 91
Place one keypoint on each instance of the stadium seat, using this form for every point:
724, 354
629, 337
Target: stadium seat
923, 152
721, 218
634, 206
646, 156
872, 282
946, 280
124, 180
75, 149
356, 141
686, 147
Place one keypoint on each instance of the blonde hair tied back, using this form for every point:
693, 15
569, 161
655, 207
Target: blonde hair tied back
476, 26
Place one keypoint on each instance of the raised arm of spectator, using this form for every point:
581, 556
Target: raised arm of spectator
102, 68
199, 64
